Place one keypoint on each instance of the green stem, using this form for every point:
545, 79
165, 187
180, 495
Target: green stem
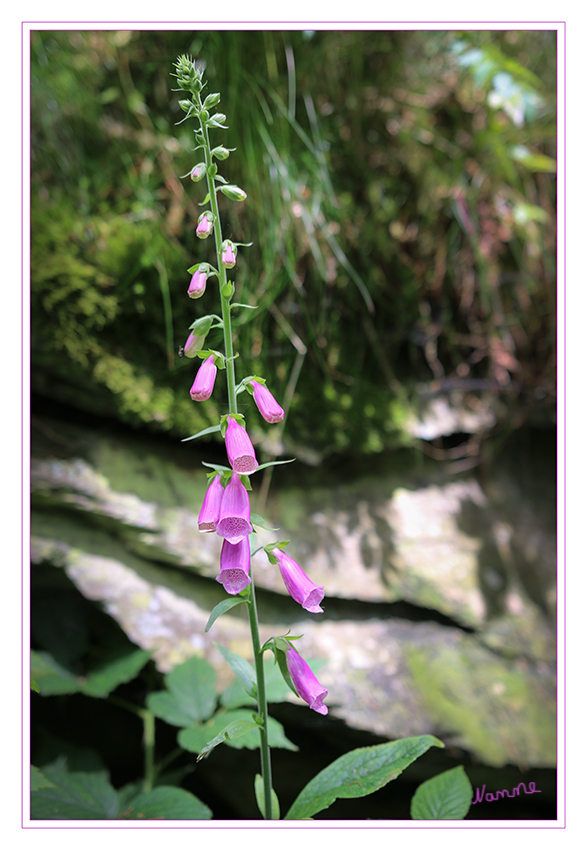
233, 408
149, 741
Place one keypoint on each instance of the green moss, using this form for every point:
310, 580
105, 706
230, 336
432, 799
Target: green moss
497, 709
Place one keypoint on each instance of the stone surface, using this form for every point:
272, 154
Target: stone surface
483, 558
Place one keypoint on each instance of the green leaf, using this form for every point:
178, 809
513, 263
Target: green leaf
105, 679
258, 522
242, 732
246, 306
359, 773
39, 780
533, 161
260, 795
166, 803
447, 796
74, 796
276, 689
234, 730
241, 669
273, 463
34, 686
211, 430
51, 677
221, 609
190, 696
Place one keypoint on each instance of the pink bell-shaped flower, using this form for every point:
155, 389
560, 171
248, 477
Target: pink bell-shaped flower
235, 565
210, 511
228, 254
197, 285
268, 407
234, 519
204, 382
305, 683
299, 586
241, 454
205, 223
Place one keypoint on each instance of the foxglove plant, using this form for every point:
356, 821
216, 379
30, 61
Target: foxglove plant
226, 508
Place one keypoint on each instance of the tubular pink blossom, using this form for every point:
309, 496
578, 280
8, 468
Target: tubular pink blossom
204, 228
234, 519
305, 683
204, 383
235, 564
268, 407
241, 454
211, 505
228, 254
197, 285
299, 586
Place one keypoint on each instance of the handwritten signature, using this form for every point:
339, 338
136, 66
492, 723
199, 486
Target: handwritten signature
492, 796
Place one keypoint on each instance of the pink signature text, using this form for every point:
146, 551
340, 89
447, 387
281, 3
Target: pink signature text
492, 796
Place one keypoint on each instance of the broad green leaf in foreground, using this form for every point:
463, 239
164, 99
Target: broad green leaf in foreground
166, 803
190, 694
359, 773
74, 796
444, 797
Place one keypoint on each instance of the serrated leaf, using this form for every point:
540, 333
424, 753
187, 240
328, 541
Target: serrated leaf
242, 731
102, 681
166, 803
229, 734
447, 796
211, 430
74, 796
260, 796
190, 694
221, 609
241, 668
359, 773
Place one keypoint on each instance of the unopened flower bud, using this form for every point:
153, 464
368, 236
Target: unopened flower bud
197, 285
198, 171
193, 344
204, 383
268, 407
220, 152
186, 105
212, 100
228, 252
205, 224
235, 193
305, 683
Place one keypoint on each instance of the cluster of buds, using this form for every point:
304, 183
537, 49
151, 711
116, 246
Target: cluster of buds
226, 509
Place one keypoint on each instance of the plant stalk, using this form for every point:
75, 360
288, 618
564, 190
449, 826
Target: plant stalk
233, 408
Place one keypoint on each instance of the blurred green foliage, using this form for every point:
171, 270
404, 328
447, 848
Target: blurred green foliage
401, 202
